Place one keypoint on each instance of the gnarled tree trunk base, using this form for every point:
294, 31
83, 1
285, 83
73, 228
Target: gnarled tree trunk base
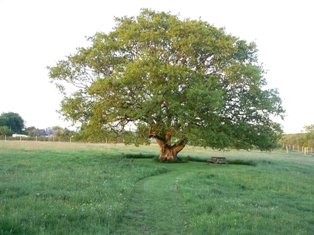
169, 154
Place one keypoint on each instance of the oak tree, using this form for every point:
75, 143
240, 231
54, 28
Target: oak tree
181, 81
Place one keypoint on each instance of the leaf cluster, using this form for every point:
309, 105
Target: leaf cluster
13, 122
184, 76
305, 139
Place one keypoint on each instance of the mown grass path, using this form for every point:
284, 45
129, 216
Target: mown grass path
156, 207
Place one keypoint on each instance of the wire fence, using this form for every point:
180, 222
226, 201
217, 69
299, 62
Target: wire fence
297, 148
58, 139
37, 138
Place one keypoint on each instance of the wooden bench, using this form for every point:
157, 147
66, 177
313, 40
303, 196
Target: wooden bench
218, 160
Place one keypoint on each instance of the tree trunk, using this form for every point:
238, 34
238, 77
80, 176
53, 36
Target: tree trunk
167, 152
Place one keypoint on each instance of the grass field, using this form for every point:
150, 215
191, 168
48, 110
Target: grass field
71, 188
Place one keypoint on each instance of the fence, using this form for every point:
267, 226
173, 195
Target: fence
59, 139
37, 138
305, 150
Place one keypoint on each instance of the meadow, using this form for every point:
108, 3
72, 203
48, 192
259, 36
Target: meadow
75, 188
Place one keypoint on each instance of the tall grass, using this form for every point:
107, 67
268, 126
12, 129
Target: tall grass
65, 191
268, 199
69, 188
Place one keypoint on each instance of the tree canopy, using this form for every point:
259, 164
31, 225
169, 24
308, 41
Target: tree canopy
180, 80
13, 121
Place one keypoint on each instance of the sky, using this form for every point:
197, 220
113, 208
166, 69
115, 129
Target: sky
35, 34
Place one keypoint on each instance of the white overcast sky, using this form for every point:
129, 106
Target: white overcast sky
37, 33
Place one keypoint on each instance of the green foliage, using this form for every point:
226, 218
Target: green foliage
305, 139
33, 131
186, 76
4, 130
62, 132
309, 128
13, 121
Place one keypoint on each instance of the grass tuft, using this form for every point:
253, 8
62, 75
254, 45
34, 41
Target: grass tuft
58, 188
243, 162
139, 155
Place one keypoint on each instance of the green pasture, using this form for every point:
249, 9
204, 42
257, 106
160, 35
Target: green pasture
72, 188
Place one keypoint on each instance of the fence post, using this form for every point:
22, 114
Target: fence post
5, 138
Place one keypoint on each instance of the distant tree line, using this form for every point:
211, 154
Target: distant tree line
11, 123
304, 139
